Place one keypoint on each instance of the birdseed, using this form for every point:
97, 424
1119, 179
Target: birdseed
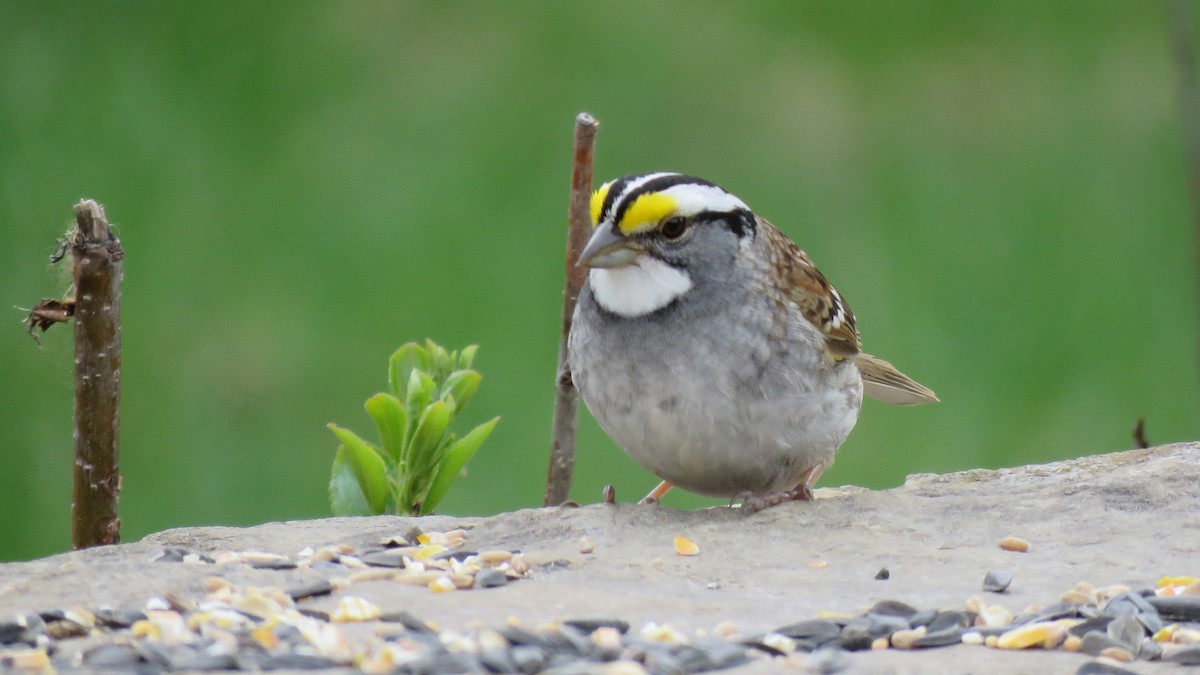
234, 627
1015, 544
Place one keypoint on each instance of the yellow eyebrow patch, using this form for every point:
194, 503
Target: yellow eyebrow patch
598, 198
646, 211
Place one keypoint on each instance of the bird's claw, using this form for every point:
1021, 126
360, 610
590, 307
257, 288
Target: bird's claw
753, 503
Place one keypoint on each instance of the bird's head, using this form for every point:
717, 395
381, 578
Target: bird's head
656, 234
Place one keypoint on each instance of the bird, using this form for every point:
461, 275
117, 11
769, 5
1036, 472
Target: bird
710, 348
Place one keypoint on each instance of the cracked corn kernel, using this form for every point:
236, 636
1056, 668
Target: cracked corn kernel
685, 546
353, 608
1043, 634
442, 584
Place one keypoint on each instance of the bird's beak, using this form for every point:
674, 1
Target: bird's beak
607, 248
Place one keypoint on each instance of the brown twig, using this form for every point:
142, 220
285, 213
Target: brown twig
1139, 434
566, 400
1181, 27
98, 271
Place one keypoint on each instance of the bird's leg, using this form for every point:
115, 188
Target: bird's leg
657, 493
752, 503
804, 491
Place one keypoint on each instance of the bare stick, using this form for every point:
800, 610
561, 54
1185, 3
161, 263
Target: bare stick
98, 271
1181, 26
579, 228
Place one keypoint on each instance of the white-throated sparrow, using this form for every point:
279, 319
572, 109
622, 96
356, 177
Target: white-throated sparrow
710, 348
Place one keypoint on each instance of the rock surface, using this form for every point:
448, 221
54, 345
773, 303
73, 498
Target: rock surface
1127, 518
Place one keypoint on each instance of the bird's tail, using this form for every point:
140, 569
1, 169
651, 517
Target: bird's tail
882, 381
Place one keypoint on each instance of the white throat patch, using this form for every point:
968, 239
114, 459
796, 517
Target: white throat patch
635, 290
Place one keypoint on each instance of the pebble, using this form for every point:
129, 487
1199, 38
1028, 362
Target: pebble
118, 618
1149, 650
591, 625
1177, 608
586, 546
1126, 630
1073, 643
113, 656
11, 632
392, 558
1103, 667
1099, 623
828, 660
944, 638
527, 659
310, 590
169, 554
1133, 604
926, 617
893, 608
816, 631
1095, 642
883, 574
490, 578
947, 620
997, 581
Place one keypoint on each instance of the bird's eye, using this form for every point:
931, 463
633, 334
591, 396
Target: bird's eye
674, 228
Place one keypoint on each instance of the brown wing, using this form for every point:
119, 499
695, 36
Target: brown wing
818, 301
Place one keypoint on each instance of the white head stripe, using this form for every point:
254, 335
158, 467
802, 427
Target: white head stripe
692, 198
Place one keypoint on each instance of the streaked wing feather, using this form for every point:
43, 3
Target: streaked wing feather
817, 299
882, 381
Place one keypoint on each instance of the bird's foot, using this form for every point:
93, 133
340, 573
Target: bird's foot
753, 503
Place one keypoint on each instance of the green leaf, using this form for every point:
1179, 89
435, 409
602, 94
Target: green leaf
399, 366
439, 359
466, 357
457, 456
461, 385
346, 498
431, 430
368, 467
420, 395
391, 419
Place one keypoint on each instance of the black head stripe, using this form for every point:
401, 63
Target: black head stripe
740, 222
614, 191
654, 185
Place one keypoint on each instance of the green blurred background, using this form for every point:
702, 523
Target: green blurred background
997, 188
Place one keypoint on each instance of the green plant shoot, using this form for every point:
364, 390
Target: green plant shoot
418, 457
